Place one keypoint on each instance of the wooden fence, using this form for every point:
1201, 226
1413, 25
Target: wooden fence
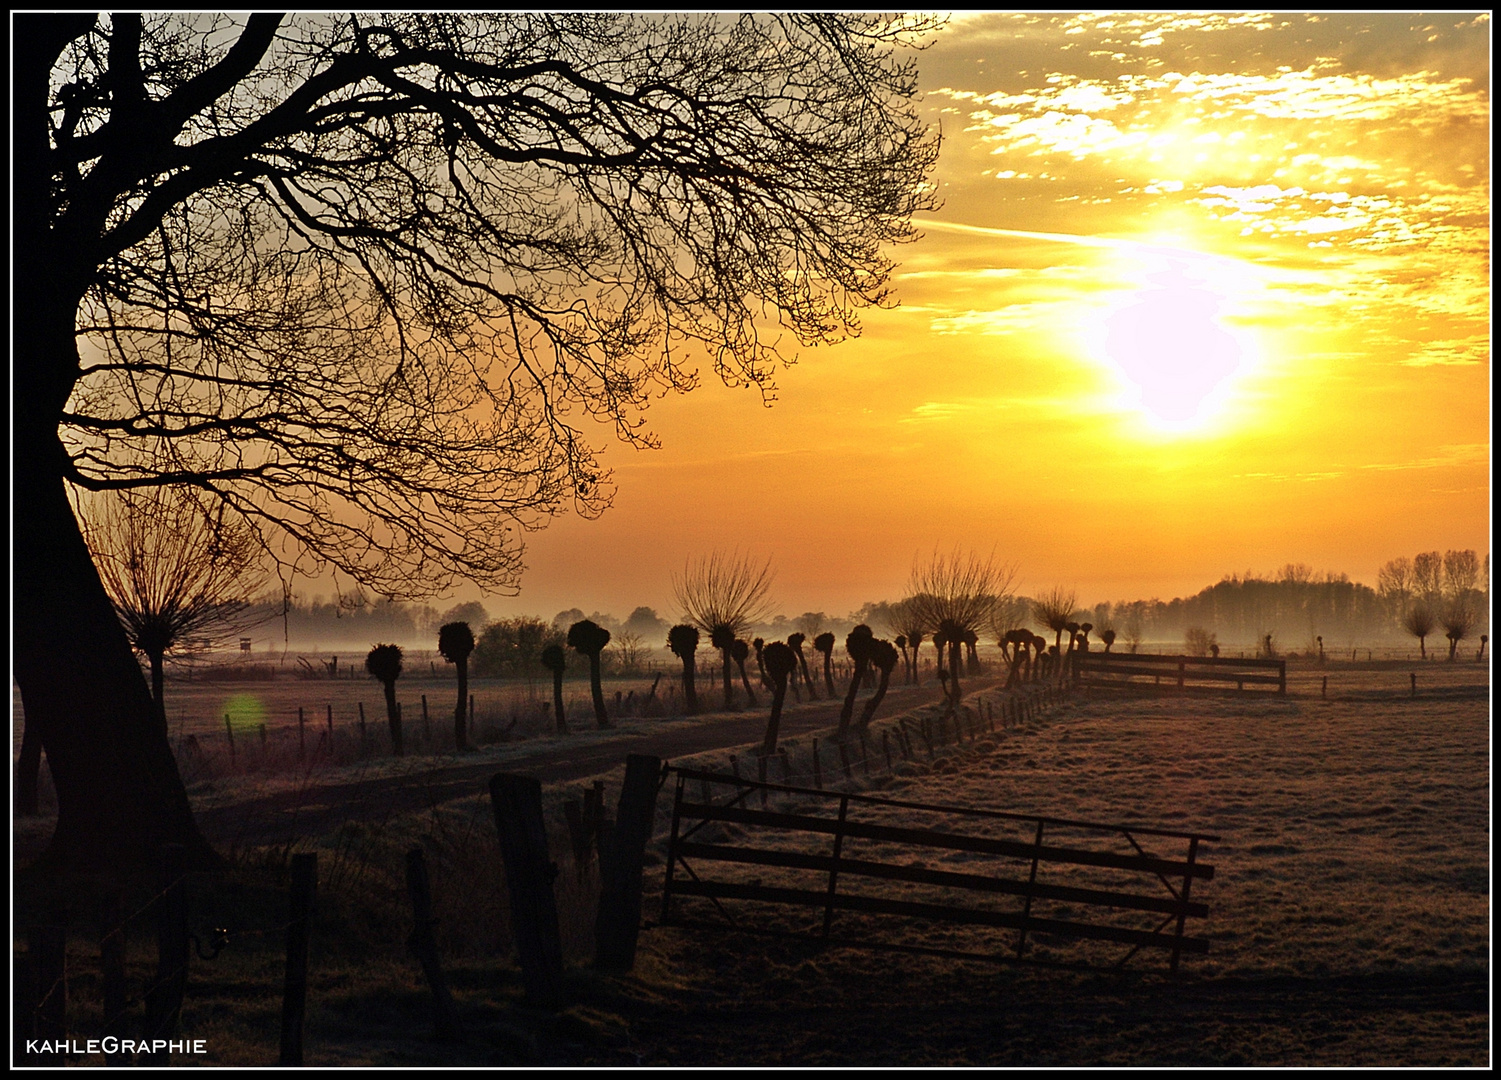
1048, 880
1159, 671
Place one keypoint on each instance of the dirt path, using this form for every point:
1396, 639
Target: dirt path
320, 807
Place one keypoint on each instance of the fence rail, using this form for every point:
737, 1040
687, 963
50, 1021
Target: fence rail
1073, 888
1100, 669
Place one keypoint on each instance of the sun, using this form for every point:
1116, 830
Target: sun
1169, 338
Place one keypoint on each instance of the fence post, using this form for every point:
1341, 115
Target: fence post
761, 776
427, 734
424, 945
112, 971
301, 735
517, 802
330, 727
299, 930
164, 997
828, 910
1282, 676
229, 731
1188, 878
619, 921
47, 952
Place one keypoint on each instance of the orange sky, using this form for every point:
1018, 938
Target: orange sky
1305, 199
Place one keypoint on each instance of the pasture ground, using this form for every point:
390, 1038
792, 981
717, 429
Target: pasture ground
1349, 914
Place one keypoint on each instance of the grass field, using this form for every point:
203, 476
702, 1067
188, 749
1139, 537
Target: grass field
1349, 913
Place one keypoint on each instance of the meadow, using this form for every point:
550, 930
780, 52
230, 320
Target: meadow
1348, 916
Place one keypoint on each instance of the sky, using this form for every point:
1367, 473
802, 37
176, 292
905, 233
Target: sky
1206, 294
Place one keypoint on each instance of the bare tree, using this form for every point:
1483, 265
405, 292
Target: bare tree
781, 665
589, 638
907, 620
1419, 622
1458, 620
1055, 609
180, 574
360, 279
723, 595
1394, 586
1461, 572
955, 594
1428, 578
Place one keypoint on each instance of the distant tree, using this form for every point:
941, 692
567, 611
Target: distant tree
632, 651
811, 623
824, 643
1419, 622
456, 642
471, 612
646, 622
722, 638
555, 660
1055, 610
683, 641
564, 619
907, 620
1458, 621
1133, 631
512, 647
1461, 572
1428, 578
1108, 637
1394, 585
590, 638
883, 658
384, 664
957, 594
724, 595
1197, 641
759, 645
780, 665
740, 650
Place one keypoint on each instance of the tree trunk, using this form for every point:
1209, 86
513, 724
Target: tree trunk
157, 679
729, 689
690, 693
848, 711
745, 682
120, 797
29, 773
461, 710
828, 673
119, 794
393, 718
778, 695
954, 654
869, 712
601, 717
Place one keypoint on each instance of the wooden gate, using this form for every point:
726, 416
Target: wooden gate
1024, 888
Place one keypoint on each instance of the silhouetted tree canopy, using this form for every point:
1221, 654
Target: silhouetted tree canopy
364, 281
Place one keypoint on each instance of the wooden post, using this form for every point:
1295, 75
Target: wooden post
1414, 677
263, 739
761, 775
164, 996
364, 732
427, 733
330, 728
828, 911
1188, 880
112, 971
47, 953
229, 731
817, 770
1324, 690
299, 931
424, 945
1282, 677
517, 802
619, 921
301, 735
